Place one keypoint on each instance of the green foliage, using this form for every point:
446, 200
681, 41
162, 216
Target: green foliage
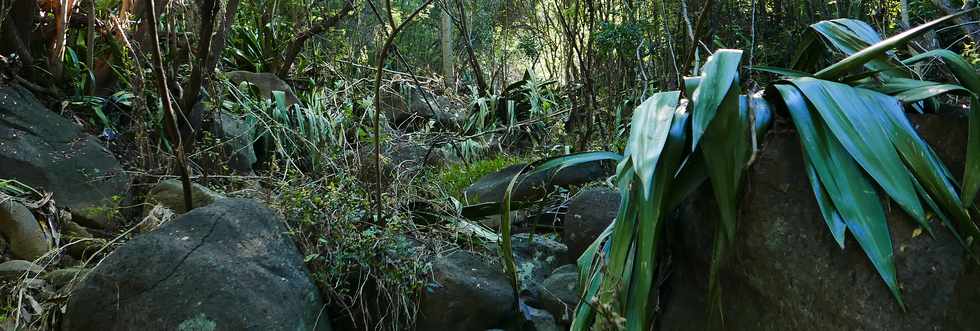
457, 177
345, 253
852, 137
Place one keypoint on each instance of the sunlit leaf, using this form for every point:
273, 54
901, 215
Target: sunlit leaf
849, 117
876, 50
718, 77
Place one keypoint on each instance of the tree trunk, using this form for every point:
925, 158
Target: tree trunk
447, 48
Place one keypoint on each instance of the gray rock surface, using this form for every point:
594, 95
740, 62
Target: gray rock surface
589, 213
14, 269
238, 141
48, 152
491, 188
468, 292
786, 272
229, 265
559, 293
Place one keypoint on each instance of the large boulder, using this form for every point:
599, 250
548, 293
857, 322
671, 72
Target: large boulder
785, 271
45, 151
468, 292
411, 107
589, 213
229, 266
491, 188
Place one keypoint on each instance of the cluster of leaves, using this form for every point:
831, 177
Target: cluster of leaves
374, 272
855, 137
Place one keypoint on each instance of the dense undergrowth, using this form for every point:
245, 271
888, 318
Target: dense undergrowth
315, 162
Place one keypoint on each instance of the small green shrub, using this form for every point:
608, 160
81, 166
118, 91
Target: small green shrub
457, 177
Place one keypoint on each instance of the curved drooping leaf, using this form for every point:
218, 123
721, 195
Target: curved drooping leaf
853, 196
851, 36
725, 153
836, 224
648, 134
929, 171
558, 163
718, 76
968, 77
849, 117
910, 90
876, 50
506, 247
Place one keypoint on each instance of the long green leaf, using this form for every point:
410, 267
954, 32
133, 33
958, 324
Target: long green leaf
876, 50
849, 116
558, 163
836, 224
852, 194
851, 36
650, 220
718, 76
506, 247
968, 77
726, 151
929, 170
648, 134
781, 71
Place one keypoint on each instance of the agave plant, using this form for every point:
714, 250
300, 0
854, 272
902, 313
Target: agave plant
855, 137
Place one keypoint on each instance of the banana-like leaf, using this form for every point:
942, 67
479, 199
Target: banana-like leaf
926, 92
718, 77
849, 116
725, 147
968, 77
648, 135
618, 262
852, 194
878, 49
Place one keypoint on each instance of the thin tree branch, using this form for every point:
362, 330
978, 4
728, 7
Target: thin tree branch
382, 56
170, 115
296, 45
